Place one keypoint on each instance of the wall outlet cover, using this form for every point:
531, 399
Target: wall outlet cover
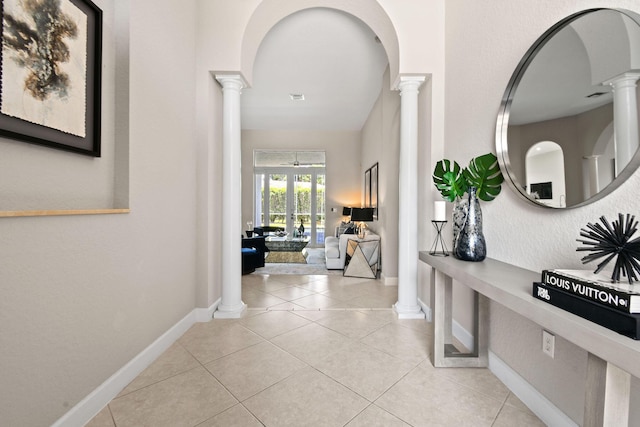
548, 343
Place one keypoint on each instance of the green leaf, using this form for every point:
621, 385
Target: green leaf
484, 174
448, 178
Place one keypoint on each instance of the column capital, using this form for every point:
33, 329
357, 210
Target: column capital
628, 78
408, 82
230, 79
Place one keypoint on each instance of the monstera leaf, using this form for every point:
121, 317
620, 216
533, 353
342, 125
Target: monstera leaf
484, 174
449, 180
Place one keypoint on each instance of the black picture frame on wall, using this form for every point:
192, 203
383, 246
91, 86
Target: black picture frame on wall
371, 189
374, 190
53, 103
367, 188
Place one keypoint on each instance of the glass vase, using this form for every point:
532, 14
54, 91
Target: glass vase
470, 244
458, 216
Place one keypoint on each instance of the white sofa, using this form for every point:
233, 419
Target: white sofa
335, 248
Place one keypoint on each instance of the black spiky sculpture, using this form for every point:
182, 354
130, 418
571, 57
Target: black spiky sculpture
611, 240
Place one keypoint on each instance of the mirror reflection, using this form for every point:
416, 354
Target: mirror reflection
568, 125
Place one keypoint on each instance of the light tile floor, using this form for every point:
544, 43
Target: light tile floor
311, 351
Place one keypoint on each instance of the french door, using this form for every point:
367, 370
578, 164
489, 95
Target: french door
289, 197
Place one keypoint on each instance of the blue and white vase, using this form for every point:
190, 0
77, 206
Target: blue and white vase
470, 244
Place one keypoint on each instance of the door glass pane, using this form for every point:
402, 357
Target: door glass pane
288, 198
320, 210
277, 200
258, 216
302, 202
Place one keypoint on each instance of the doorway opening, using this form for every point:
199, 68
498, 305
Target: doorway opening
545, 173
289, 192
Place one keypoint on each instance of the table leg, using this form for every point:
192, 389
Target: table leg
445, 353
607, 394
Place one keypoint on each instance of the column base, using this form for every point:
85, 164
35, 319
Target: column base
405, 312
234, 312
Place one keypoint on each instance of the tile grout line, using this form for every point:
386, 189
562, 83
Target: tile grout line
500, 410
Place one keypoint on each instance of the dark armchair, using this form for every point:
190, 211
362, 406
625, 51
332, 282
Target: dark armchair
254, 252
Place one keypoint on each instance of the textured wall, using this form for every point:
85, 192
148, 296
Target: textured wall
485, 42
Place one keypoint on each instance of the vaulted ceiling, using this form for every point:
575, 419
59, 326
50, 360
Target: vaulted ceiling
330, 58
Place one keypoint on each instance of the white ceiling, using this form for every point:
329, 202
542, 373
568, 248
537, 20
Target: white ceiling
330, 57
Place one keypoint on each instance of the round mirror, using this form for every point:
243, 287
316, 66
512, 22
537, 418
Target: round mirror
567, 131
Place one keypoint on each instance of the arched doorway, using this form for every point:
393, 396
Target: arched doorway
265, 17
545, 174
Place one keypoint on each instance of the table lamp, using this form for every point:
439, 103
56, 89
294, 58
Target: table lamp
361, 215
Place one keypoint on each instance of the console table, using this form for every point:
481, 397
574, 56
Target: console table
362, 258
613, 358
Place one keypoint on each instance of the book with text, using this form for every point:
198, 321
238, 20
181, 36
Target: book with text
615, 320
595, 287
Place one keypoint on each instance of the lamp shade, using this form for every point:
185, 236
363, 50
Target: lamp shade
362, 214
346, 211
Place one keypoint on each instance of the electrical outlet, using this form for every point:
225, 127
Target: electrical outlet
548, 343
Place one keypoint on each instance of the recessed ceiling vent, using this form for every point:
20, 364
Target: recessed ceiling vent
296, 96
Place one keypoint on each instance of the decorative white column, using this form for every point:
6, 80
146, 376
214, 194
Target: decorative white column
593, 174
231, 305
625, 117
407, 306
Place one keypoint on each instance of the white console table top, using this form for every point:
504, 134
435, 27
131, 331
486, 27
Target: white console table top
511, 286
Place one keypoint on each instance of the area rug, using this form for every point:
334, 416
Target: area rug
287, 257
315, 265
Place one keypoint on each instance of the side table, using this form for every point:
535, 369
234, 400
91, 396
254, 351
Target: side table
362, 259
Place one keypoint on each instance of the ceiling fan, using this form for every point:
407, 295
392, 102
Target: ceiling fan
296, 163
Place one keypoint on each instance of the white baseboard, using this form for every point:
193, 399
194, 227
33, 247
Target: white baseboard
539, 405
203, 315
462, 335
389, 281
95, 401
426, 309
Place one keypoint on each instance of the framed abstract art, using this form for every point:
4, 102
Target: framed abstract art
50, 81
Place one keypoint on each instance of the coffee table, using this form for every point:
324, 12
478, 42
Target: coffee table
287, 249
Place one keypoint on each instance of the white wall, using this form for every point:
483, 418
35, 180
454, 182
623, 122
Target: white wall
381, 144
82, 295
485, 42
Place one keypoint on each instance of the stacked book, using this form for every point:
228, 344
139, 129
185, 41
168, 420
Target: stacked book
615, 306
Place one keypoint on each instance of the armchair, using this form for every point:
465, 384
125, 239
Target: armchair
254, 252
